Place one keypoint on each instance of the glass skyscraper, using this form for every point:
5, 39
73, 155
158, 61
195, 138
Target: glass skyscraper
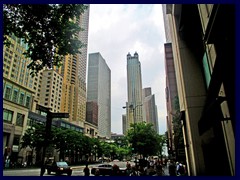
99, 90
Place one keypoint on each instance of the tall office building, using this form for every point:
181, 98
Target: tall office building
124, 124
51, 91
134, 88
82, 66
149, 108
203, 45
99, 90
74, 77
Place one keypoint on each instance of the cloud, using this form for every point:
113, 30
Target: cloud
115, 30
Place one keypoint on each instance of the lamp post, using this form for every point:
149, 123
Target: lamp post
134, 116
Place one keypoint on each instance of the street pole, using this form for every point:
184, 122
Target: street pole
48, 126
134, 121
45, 144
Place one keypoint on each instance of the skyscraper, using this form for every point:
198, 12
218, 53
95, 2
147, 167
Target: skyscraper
99, 90
134, 86
149, 108
74, 77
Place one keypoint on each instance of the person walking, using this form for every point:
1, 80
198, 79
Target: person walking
128, 169
86, 171
97, 172
172, 168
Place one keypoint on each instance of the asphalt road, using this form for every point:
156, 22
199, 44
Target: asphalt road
77, 171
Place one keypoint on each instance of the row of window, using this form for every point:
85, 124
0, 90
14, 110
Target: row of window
72, 127
17, 97
8, 117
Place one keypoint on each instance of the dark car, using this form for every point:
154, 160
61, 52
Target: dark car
104, 169
60, 167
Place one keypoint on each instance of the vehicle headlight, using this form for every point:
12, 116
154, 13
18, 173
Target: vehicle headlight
61, 169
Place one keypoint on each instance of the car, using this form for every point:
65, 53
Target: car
59, 168
104, 169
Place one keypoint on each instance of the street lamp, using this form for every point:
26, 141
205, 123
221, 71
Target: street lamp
134, 116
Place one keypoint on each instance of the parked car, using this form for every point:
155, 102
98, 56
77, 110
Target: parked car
59, 168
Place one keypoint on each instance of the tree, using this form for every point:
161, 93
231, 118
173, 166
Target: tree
177, 128
49, 30
161, 139
34, 138
143, 139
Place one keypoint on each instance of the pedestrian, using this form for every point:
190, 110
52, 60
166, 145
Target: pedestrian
134, 172
115, 170
172, 168
86, 171
141, 171
128, 169
159, 168
97, 172
150, 170
180, 170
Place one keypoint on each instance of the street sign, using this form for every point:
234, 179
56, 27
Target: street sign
60, 115
42, 108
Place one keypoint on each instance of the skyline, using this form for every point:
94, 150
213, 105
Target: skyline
129, 29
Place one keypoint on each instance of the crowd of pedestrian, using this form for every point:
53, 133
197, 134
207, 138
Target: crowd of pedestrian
149, 168
176, 168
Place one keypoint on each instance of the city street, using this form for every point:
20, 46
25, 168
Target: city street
77, 171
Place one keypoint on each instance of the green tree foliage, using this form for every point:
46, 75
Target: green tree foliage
161, 140
143, 139
177, 127
50, 31
33, 137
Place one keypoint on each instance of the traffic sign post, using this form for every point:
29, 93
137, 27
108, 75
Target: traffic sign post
50, 116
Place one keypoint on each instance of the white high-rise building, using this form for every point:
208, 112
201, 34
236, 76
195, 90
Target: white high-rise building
134, 86
99, 90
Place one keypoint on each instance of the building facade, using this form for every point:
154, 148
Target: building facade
172, 102
134, 89
203, 41
18, 96
124, 124
99, 91
91, 123
51, 91
73, 72
149, 108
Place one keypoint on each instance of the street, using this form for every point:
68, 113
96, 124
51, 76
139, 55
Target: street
77, 171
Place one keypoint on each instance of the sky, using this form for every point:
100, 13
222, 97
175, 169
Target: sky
115, 30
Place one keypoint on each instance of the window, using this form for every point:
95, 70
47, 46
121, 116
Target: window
15, 96
7, 115
63, 124
8, 92
28, 99
206, 69
21, 100
20, 119
68, 126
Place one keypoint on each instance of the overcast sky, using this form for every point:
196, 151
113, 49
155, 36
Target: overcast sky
115, 30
